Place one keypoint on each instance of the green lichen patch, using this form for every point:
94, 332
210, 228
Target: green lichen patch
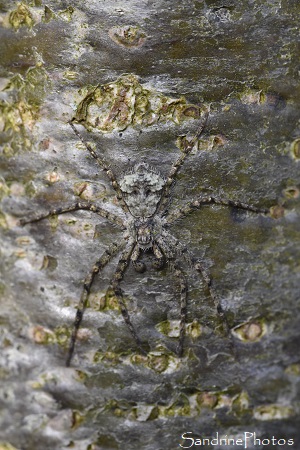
260, 97
48, 15
49, 263
108, 301
21, 16
293, 369
3, 221
291, 192
193, 329
120, 408
180, 407
169, 328
7, 446
213, 142
112, 358
162, 360
273, 412
158, 361
295, 149
251, 331
104, 441
63, 334
66, 14
42, 335
240, 404
20, 110
277, 211
127, 36
207, 399
116, 105
4, 189
144, 412
77, 419
84, 190
60, 335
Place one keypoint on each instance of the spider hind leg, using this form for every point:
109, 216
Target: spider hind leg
117, 278
89, 279
159, 259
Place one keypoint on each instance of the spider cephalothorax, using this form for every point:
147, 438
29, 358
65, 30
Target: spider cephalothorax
144, 196
142, 189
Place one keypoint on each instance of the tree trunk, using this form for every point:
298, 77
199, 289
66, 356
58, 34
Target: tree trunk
135, 76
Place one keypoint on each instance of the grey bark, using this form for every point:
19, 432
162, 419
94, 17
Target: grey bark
242, 59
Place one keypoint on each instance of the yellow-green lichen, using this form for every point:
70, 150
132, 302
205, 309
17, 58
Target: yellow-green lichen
77, 419
7, 446
145, 413
108, 301
111, 357
207, 399
293, 369
127, 36
66, 14
42, 335
295, 149
251, 331
48, 15
291, 192
21, 16
180, 407
273, 412
116, 105
169, 328
20, 110
4, 189
3, 221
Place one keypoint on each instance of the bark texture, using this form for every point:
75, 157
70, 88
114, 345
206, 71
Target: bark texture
242, 58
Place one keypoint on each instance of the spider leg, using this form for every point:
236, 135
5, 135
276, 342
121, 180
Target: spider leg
138, 265
182, 250
198, 266
183, 307
208, 200
159, 260
177, 165
98, 266
113, 218
163, 247
117, 278
104, 166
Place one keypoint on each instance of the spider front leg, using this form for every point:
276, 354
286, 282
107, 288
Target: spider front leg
113, 218
98, 266
209, 200
115, 284
104, 166
177, 165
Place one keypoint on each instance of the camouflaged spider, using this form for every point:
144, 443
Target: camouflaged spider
143, 194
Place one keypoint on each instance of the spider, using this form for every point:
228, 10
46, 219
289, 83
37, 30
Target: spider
144, 196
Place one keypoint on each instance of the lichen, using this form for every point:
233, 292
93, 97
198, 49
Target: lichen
251, 331
273, 412
21, 16
116, 105
127, 36
20, 110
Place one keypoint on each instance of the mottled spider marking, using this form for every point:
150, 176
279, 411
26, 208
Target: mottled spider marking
144, 196
141, 189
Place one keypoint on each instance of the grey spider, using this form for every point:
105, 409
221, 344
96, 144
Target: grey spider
144, 195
